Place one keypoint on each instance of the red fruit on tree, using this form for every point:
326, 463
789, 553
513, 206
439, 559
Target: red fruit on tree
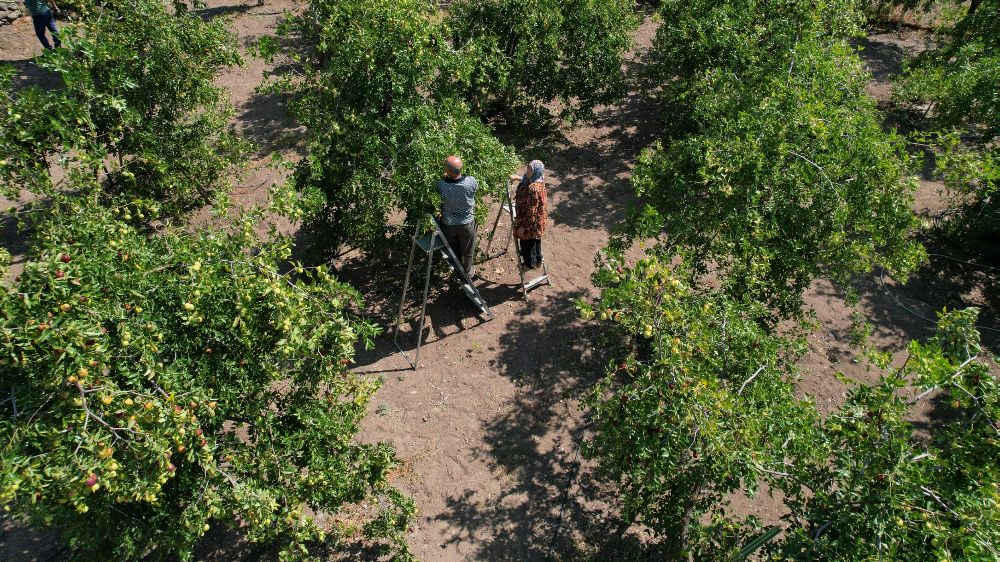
91, 480
64, 258
60, 274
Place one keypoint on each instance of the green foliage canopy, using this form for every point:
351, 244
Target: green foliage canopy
138, 108
369, 88
959, 76
776, 169
866, 486
958, 79
704, 407
160, 384
526, 53
696, 413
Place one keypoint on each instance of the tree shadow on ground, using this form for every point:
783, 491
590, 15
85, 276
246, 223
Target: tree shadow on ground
223, 544
217, 11
593, 189
20, 542
448, 312
939, 414
14, 239
883, 59
28, 73
553, 507
900, 313
951, 279
264, 119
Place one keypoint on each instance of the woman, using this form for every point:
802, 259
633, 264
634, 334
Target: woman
529, 206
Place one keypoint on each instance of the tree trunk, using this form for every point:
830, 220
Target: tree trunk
686, 522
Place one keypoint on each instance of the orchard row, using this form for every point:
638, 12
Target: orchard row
163, 381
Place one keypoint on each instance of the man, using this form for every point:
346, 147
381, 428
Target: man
43, 18
458, 199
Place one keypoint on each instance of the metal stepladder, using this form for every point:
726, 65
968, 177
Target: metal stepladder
430, 243
507, 206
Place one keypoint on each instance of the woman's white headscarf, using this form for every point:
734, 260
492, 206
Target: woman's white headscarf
536, 173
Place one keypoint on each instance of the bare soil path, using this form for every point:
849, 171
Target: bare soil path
489, 429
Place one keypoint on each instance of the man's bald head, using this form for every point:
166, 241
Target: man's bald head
453, 166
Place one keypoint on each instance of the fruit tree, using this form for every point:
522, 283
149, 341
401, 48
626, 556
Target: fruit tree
523, 54
704, 408
138, 109
367, 84
775, 169
160, 384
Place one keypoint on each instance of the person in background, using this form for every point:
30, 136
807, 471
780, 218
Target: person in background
529, 206
43, 17
458, 201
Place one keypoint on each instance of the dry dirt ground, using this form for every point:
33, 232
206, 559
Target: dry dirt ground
489, 428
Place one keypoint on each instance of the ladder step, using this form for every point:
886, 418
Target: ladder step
424, 242
536, 281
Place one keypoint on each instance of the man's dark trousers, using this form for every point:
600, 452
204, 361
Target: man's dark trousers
462, 239
43, 21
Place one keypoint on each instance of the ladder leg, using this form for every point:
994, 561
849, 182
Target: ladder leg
513, 219
506, 206
423, 307
496, 223
520, 269
512, 241
406, 285
452, 259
